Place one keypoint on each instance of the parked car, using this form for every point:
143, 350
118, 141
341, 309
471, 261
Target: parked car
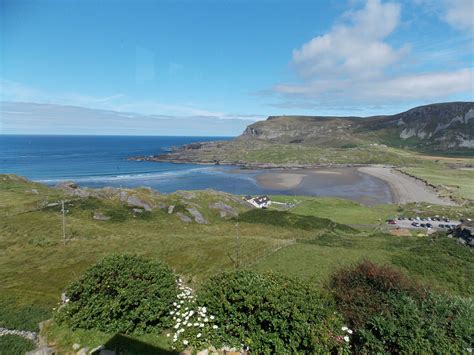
391, 221
441, 225
414, 224
429, 225
410, 219
422, 225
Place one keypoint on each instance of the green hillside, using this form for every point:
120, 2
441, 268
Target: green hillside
308, 241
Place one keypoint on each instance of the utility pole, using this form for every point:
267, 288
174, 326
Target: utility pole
64, 221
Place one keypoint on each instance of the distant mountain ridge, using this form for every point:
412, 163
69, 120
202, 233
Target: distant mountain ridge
442, 126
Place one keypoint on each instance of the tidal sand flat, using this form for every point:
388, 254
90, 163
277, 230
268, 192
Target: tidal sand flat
280, 181
347, 183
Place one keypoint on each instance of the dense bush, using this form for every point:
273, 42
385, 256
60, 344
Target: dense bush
435, 324
15, 345
361, 290
391, 313
121, 293
271, 314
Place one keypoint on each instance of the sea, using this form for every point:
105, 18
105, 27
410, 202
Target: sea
99, 161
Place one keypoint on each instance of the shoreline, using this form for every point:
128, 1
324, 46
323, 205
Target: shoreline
403, 187
249, 166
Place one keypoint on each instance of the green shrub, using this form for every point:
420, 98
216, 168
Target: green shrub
391, 313
41, 241
435, 324
121, 293
15, 345
361, 290
271, 314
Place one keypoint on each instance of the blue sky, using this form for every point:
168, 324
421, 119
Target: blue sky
233, 60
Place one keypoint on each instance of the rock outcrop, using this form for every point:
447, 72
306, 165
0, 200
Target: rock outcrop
224, 209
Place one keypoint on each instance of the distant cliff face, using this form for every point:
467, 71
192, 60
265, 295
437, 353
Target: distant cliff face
442, 126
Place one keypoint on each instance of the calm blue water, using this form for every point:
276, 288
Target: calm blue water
98, 161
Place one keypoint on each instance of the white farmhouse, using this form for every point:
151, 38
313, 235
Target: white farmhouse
259, 202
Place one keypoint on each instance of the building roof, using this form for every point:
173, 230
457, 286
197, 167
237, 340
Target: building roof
261, 199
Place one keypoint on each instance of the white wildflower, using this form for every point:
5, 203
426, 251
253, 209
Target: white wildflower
344, 328
198, 335
185, 342
212, 317
349, 331
215, 326
346, 338
201, 325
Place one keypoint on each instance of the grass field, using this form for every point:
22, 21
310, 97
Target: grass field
286, 154
36, 264
456, 182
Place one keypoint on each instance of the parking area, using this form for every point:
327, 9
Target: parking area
440, 223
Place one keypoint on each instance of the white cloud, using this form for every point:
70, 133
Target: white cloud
355, 49
354, 64
34, 118
460, 14
17, 92
417, 86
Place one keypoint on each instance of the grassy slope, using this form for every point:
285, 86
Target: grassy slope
456, 182
35, 265
258, 151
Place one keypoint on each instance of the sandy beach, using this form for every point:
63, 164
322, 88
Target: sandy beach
404, 188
